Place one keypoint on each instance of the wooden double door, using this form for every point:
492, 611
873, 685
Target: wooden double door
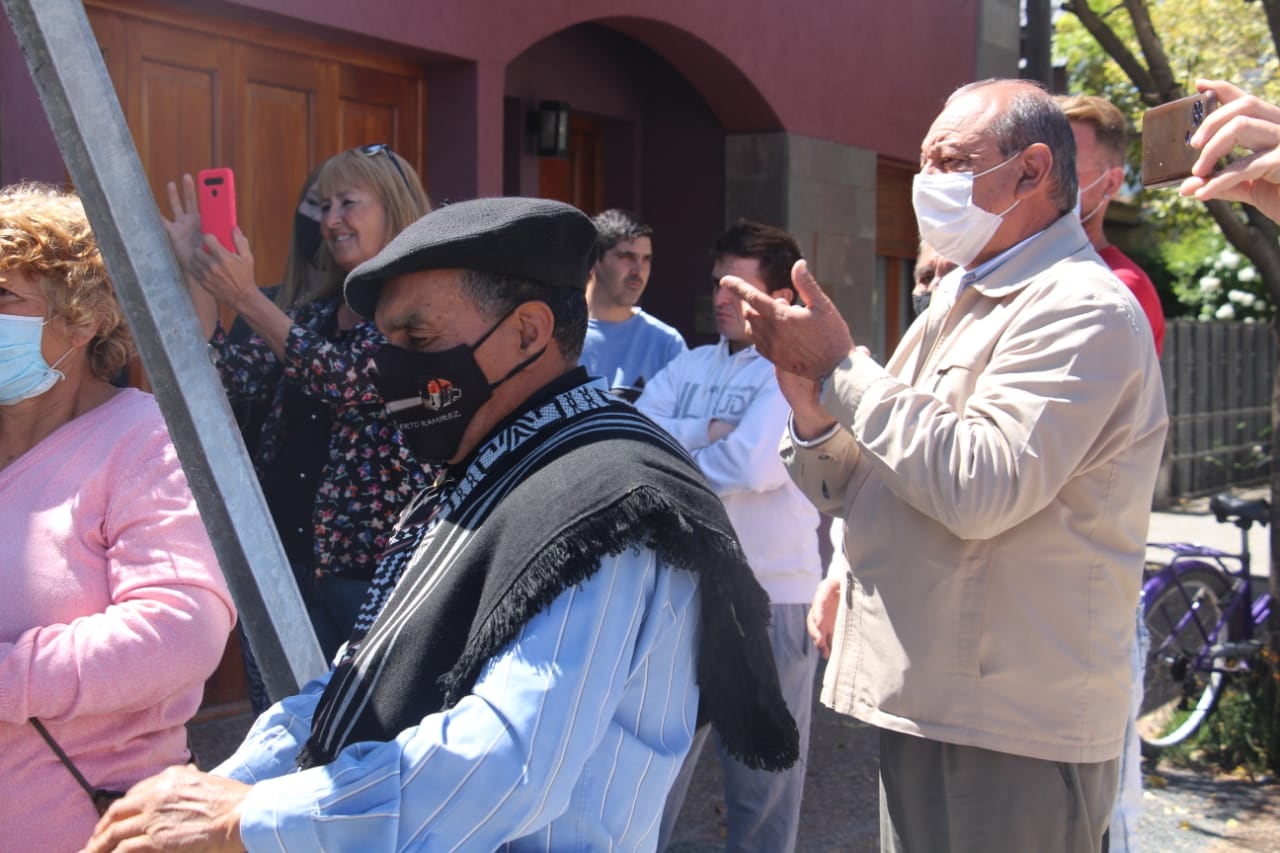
200, 91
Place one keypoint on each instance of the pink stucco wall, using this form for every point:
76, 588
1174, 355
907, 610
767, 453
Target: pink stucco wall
862, 72
27, 147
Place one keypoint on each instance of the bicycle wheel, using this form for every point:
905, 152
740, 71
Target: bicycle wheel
1182, 611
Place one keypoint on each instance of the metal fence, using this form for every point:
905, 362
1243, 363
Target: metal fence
1217, 379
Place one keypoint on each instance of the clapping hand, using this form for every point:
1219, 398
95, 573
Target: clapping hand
807, 339
804, 341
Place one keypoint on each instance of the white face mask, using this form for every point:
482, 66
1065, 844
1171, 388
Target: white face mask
1080, 200
23, 371
949, 221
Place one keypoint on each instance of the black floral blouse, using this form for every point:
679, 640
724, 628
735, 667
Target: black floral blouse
369, 475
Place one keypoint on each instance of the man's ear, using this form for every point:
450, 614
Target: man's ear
1037, 163
535, 324
1114, 181
784, 293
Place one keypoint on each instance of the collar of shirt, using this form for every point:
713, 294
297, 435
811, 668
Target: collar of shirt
954, 283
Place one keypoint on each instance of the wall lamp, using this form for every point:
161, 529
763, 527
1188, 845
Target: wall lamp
550, 127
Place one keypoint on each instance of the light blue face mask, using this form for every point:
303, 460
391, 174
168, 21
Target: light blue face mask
23, 371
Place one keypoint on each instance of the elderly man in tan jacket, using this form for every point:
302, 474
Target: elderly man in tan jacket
995, 478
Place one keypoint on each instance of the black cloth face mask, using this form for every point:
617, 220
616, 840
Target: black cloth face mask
431, 397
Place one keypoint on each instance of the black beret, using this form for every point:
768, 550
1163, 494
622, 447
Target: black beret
530, 238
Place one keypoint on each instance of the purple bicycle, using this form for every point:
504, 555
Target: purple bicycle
1204, 622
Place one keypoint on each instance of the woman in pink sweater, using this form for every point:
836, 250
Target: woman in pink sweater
113, 611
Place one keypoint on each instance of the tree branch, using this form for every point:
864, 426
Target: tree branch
1254, 237
1157, 60
1116, 49
1266, 254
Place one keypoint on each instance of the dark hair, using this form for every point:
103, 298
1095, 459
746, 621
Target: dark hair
1034, 116
614, 226
775, 249
496, 295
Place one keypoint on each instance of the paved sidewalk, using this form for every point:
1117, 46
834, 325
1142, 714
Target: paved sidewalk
1190, 521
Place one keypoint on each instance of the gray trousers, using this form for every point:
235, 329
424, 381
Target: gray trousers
943, 798
763, 808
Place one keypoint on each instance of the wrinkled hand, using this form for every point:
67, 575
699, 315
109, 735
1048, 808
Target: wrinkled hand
228, 277
822, 614
1247, 122
808, 340
184, 228
717, 430
178, 809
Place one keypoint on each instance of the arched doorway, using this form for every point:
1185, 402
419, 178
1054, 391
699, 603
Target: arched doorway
642, 136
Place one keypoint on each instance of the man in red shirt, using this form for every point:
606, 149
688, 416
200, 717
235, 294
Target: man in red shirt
1101, 139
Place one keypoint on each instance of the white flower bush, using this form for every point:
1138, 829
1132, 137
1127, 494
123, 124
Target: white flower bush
1225, 286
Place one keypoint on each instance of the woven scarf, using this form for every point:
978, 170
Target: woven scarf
569, 480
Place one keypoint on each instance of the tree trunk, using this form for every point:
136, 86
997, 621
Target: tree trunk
1157, 60
1273, 585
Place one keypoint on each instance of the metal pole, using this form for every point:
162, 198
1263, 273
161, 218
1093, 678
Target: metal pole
1037, 42
95, 143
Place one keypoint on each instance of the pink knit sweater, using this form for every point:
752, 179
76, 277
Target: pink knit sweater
113, 612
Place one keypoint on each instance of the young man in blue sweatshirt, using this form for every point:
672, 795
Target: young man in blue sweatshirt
625, 345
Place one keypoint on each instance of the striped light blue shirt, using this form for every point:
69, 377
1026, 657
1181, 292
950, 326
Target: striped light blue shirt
569, 740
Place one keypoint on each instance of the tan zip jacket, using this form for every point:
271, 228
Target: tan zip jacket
996, 480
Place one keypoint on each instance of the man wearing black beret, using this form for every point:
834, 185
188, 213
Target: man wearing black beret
527, 670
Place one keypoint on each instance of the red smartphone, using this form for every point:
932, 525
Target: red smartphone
216, 194
1167, 155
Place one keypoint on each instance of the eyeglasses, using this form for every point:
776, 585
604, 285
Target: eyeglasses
383, 148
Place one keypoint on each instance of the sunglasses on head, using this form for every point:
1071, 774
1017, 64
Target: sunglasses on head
383, 148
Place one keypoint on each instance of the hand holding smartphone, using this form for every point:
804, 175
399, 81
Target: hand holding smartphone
216, 195
1167, 155
1249, 126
